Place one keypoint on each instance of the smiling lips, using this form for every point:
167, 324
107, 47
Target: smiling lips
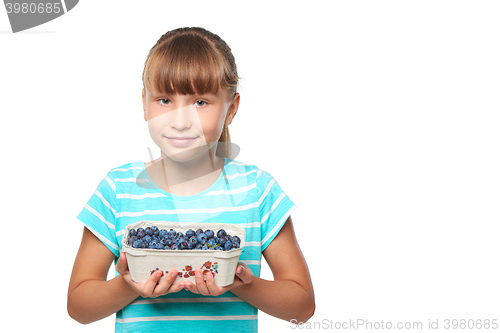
180, 141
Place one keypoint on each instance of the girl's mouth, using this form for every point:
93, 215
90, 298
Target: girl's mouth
180, 141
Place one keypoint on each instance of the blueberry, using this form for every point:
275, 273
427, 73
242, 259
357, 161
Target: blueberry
209, 233
148, 231
147, 239
163, 233
166, 242
218, 247
204, 247
137, 244
223, 240
171, 233
159, 246
140, 233
221, 233
152, 244
190, 233
131, 240
199, 231
132, 232
212, 242
235, 245
193, 240
236, 239
228, 246
202, 238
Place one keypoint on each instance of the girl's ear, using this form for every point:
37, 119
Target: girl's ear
233, 108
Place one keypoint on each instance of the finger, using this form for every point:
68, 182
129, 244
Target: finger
200, 283
245, 274
164, 285
175, 288
188, 285
147, 288
122, 266
214, 289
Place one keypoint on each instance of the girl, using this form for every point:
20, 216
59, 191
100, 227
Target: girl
189, 99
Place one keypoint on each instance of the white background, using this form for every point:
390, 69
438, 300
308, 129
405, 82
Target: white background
380, 120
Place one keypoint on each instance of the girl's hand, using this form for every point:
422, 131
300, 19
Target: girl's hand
244, 275
150, 288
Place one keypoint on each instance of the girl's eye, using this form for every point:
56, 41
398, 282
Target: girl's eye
200, 103
164, 101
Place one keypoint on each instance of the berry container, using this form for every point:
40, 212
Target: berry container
222, 264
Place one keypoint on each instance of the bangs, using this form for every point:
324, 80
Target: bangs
187, 65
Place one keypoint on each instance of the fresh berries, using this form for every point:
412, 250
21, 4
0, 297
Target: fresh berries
209, 233
153, 238
201, 237
189, 233
221, 233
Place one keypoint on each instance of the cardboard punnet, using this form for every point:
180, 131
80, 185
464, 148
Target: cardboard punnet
142, 262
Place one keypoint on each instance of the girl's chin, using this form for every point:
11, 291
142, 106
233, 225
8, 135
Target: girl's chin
185, 155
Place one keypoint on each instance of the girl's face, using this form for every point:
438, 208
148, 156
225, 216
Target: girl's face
186, 126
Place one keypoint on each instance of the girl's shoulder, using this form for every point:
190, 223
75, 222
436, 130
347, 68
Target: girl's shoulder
252, 171
128, 167
132, 171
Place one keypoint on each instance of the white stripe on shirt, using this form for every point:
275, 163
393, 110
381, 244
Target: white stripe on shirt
110, 182
188, 300
102, 238
105, 202
133, 180
231, 192
188, 211
239, 174
278, 225
93, 211
139, 196
164, 318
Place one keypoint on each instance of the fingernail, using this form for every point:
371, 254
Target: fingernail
173, 274
187, 287
239, 270
197, 273
209, 276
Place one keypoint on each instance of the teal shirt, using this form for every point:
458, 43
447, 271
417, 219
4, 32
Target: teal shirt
243, 194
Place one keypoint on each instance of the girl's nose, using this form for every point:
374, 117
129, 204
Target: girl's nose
182, 118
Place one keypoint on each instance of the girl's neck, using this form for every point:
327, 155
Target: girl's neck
186, 178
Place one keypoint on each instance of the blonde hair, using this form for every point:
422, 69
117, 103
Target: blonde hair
192, 61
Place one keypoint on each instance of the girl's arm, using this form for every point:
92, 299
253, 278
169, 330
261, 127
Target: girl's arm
91, 297
289, 296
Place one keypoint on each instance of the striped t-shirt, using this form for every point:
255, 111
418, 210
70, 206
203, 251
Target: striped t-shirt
243, 194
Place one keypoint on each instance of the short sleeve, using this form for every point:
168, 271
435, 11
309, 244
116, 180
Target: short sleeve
274, 205
98, 215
